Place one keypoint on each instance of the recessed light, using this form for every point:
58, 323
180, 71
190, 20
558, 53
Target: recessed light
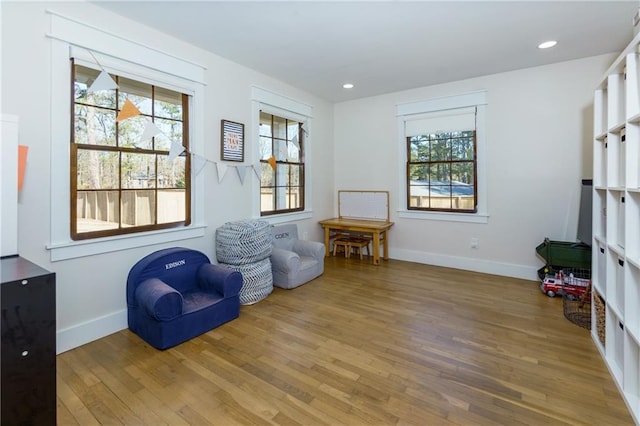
547, 44
348, 85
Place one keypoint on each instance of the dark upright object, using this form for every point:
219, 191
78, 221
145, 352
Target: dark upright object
585, 215
28, 355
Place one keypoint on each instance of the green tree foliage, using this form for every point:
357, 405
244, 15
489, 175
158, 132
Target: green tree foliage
442, 157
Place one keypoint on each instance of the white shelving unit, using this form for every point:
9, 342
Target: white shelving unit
616, 222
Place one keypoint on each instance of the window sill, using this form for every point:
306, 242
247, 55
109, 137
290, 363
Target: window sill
287, 217
74, 249
444, 216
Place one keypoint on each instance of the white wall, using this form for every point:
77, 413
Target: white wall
91, 290
539, 137
9, 185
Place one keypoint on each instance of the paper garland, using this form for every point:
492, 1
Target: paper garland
295, 141
150, 130
222, 169
198, 162
242, 172
175, 151
128, 110
102, 82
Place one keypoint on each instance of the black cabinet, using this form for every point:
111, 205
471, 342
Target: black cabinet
28, 351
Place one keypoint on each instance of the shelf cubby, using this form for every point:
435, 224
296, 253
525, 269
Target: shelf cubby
599, 217
632, 156
600, 158
632, 294
616, 159
615, 101
615, 212
599, 276
632, 226
614, 288
631, 360
632, 107
614, 346
600, 114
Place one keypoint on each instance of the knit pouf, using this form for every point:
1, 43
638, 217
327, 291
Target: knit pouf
243, 242
257, 281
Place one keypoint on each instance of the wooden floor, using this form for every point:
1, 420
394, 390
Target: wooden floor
401, 343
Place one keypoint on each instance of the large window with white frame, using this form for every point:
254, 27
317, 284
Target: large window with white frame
283, 149
441, 162
443, 145
121, 181
165, 79
282, 165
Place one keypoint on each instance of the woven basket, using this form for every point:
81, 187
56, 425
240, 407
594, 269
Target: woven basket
243, 242
598, 303
257, 281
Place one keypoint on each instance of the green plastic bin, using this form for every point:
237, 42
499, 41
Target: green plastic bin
565, 254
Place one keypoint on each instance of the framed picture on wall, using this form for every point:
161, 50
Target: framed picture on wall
232, 141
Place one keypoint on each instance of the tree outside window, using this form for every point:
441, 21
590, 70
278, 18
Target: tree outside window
441, 172
120, 182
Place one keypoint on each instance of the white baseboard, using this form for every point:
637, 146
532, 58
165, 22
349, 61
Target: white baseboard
466, 263
78, 335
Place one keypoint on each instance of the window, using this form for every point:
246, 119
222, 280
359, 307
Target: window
441, 171
121, 180
442, 148
95, 48
281, 156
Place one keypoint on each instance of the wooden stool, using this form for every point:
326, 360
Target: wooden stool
359, 243
341, 242
349, 243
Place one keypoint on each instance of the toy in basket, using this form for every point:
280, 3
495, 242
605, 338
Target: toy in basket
571, 287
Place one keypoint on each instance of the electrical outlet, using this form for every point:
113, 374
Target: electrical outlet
305, 235
474, 243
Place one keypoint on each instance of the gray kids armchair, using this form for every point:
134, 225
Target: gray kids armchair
293, 261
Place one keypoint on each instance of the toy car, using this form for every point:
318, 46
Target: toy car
571, 287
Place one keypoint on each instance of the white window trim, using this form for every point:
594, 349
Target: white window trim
115, 53
413, 110
292, 109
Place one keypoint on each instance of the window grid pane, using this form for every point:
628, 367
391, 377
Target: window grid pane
282, 186
441, 172
121, 182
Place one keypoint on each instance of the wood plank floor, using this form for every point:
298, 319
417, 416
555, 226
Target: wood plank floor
397, 344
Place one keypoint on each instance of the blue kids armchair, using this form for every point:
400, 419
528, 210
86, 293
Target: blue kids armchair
176, 294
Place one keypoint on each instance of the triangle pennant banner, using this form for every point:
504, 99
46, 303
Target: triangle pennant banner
295, 141
151, 130
222, 169
102, 82
175, 151
242, 172
272, 162
128, 110
257, 169
198, 163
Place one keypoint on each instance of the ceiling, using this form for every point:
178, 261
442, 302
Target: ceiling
388, 46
